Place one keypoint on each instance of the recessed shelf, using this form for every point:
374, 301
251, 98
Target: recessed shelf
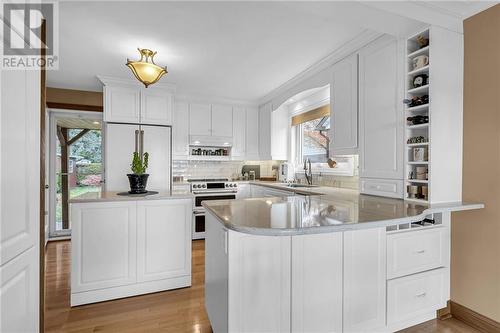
422, 144
418, 181
420, 70
419, 89
418, 107
417, 126
418, 163
419, 52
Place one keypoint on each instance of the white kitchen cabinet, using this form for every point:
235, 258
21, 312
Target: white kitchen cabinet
200, 119
252, 134
222, 120
122, 104
280, 134
103, 251
265, 131
129, 103
344, 107
258, 302
180, 130
381, 111
244, 191
216, 275
163, 239
364, 280
128, 248
317, 283
238, 151
156, 106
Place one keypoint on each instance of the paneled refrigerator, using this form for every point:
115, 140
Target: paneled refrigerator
121, 140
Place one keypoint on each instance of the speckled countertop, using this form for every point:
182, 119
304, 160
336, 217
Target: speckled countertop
338, 211
113, 196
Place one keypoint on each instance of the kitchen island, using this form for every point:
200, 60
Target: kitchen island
342, 262
129, 245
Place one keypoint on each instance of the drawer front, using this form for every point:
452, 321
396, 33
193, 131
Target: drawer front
415, 251
415, 295
384, 187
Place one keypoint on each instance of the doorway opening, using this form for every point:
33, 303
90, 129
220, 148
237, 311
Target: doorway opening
76, 163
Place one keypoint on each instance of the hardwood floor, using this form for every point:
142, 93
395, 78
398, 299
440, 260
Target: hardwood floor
180, 310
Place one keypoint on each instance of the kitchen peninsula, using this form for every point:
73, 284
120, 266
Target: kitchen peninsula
344, 262
129, 245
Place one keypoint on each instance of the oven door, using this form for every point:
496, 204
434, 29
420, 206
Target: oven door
198, 225
199, 198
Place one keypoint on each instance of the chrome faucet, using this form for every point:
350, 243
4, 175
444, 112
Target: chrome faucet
308, 171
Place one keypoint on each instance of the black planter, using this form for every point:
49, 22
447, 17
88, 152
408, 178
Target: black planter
137, 183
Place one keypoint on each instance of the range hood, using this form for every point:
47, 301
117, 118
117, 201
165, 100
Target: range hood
210, 141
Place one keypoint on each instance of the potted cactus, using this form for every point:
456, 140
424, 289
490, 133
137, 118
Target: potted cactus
139, 178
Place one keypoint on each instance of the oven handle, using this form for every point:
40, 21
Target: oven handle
214, 193
198, 213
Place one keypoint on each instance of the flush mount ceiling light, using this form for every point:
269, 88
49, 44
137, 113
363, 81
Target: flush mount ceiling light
144, 69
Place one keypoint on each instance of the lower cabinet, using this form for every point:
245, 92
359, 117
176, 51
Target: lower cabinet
317, 283
163, 243
128, 248
364, 280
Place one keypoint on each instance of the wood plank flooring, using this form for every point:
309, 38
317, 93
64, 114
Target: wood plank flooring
180, 310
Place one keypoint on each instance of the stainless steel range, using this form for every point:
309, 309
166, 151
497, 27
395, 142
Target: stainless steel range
208, 189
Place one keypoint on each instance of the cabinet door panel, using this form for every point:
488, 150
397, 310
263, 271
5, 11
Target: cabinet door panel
259, 283
156, 107
200, 119
239, 133
119, 144
103, 251
280, 129
180, 130
122, 104
317, 283
163, 239
381, 120
364, 280
222, 120
157, 144
344, 107
252, 134
265, 132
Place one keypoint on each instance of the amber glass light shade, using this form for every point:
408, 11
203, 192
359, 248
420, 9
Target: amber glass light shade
144, 69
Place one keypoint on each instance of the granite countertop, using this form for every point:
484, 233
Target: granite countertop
339, 211
113, 196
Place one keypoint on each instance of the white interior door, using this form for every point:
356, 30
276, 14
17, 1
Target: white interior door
19, 200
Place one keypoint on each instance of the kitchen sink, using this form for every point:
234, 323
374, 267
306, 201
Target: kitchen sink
301, 185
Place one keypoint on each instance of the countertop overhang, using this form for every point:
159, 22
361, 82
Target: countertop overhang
110, 196
341, 210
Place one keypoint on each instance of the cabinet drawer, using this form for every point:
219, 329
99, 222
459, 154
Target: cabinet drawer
415, 295
415, 251
384, 187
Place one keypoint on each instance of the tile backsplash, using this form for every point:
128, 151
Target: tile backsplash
220, 169
228, 169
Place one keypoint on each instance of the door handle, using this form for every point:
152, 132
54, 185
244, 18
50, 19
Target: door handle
136, 141
141, 148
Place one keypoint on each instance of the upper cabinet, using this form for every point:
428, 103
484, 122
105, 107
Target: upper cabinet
381, 111
222, 120
252, 134
239, 133
265, 131
122, 104
127, 102
280, 130
200, 122
180, 130
156, 106
210, 120
344, 107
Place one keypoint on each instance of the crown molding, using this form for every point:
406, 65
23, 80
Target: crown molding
345, 50
110, 80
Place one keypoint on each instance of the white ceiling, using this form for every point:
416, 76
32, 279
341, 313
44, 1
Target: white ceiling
238, 50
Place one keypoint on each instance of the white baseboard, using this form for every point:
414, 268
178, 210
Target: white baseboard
99, 295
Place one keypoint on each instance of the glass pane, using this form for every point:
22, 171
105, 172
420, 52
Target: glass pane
315, 142
58, 214
85, 163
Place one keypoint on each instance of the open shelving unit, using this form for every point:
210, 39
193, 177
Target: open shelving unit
417, 190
